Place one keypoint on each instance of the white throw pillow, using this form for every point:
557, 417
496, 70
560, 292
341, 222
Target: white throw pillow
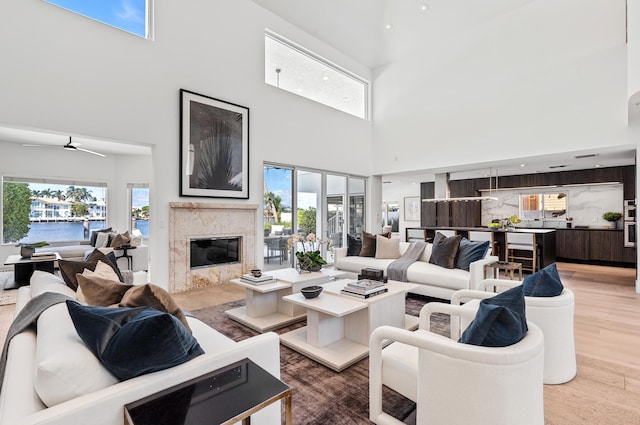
42, 282
387, 247
65, 367
102, 240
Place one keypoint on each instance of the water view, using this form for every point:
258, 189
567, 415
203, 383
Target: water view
70, 231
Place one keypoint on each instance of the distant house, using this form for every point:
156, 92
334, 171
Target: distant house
49, 208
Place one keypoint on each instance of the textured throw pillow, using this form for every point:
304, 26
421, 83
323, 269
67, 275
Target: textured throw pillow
353, 245
444, 250
468, 252
150, 295
369, 244
102, 292
387, 247
543, 283
69, 269
499, 322
120, 239
94, 235
130, 342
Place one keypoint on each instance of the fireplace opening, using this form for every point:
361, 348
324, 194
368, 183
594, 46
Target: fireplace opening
209, 252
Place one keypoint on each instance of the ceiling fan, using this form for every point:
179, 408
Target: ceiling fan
69, 147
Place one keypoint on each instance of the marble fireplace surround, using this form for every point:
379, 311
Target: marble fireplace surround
193, 220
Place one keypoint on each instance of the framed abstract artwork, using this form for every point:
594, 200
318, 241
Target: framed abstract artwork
214, 147
412, 208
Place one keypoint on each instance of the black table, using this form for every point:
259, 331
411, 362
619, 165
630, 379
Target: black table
23, 268
125, 254
225, 396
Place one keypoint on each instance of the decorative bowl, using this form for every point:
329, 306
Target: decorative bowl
311, 291
256, 272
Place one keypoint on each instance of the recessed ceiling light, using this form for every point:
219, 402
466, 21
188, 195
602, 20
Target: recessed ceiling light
388, 26
424, 6
597, 165
522, 165
325, 78
299, 90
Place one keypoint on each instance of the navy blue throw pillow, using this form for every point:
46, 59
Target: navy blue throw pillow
499, 322
468, 252
543, 283
133, 341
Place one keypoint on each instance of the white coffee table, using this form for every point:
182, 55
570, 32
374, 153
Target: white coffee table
264, 308
339, 326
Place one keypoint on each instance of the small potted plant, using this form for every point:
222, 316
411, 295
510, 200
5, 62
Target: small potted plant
612, 218
569, 220
28, 249
267, 229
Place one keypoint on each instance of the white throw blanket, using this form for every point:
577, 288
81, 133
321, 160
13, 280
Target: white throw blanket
398, 269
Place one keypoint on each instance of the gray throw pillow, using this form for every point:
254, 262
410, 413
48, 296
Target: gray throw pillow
444, 250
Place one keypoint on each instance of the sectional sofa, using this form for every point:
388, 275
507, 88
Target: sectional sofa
433, 280
52, 378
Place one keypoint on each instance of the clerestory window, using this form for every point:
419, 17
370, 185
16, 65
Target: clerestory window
133, 16
299, 71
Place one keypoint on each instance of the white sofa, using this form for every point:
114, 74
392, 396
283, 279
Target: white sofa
432, 280
20, 402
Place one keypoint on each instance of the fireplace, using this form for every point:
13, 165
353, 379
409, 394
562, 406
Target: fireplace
210, 252
230, 229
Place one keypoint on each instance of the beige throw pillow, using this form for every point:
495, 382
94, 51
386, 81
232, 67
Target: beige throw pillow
100, 291
387, 247
120, 239
151, 295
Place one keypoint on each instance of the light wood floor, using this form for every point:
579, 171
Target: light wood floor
606, 389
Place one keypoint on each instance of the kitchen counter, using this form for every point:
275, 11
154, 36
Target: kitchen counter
545, 239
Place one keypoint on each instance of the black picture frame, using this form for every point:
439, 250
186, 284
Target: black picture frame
214, 147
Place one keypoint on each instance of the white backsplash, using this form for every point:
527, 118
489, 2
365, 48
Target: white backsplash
585, 204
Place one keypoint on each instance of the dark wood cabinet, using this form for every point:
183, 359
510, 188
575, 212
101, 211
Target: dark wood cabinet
572, 244
593, 245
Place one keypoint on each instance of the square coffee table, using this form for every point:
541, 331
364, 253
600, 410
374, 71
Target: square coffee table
24, 267
339, 326
264, 309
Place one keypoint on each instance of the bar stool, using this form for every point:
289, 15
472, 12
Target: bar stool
518, 244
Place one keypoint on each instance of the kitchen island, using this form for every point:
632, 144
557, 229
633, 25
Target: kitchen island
545, 239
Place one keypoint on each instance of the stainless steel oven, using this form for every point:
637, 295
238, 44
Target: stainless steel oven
630, 210
629, 234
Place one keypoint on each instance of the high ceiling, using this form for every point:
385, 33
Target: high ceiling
377, 32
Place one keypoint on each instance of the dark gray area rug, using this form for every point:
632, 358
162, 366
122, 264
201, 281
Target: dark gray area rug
320, 395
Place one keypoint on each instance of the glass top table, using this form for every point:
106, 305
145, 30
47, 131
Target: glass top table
224, 396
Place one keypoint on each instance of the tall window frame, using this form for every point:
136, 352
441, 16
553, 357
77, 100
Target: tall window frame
355, 193
140, 217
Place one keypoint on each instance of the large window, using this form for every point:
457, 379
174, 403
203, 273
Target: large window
304, 73
306, 201
132, 16
35, 210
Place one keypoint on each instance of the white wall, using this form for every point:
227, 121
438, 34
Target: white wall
547, 77
397, 193
69, 74
114, 170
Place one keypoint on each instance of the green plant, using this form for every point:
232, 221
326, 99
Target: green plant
16, 207
34, 244
267, 226
612, 216
308, 250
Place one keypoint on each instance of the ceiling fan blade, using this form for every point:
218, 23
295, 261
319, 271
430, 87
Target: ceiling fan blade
91, 152
38, 146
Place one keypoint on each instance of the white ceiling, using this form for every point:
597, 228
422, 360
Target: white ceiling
359, 28
106, 147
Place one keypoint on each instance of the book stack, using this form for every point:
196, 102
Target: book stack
265, 278
43, 256
365, 288
370, 273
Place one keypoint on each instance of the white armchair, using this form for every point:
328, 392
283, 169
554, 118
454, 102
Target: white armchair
454, 383
554, 316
